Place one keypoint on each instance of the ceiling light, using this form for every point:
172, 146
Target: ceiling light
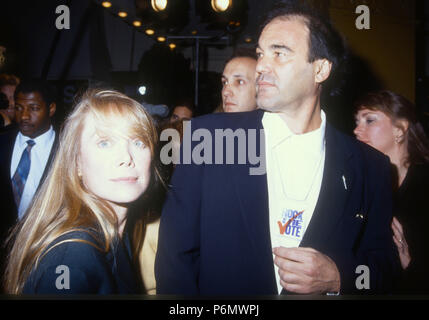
220, 5
149, 32
159, 5
142, 90
122, 14
106, 4
161, 39
137, 23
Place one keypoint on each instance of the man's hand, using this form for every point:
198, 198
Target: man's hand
306, 271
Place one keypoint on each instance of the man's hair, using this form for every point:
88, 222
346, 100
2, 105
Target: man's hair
46, 90
243, 53
8, 80
4, 102
325, 42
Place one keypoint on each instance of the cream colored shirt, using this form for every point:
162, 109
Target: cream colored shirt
295, 166
147, 257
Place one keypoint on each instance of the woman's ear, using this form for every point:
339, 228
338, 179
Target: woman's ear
400, 129
79, 166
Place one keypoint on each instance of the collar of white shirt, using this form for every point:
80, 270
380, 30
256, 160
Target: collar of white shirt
277, 131
41, 140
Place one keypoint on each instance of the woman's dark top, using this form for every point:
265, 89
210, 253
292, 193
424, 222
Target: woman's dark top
80, 268
411, 208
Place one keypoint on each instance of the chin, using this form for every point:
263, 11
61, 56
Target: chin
266, 107
124, 197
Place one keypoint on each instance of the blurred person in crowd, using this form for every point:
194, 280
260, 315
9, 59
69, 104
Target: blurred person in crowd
8, 84
26, 152
4, 117
387, 121
238, 82
89, 216
305, 224
184, 110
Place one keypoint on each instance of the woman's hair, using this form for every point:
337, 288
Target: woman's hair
397, 108
63, 204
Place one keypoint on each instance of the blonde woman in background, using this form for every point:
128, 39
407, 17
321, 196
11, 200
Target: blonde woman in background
84, 232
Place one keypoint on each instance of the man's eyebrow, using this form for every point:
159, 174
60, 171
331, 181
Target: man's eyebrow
280, 47
277, 47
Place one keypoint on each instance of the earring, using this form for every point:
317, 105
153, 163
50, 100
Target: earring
398, 139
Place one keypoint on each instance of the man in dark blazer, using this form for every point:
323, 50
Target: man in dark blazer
35, 106
218, 232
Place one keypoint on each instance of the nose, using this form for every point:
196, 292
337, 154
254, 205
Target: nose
226, 91
358, 131
25, 114
262, 66
125, 157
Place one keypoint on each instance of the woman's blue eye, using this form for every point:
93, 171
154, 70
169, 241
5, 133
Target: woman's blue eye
139, 143
104, 143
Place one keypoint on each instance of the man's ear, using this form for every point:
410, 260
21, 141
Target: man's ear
322, 70
52, 109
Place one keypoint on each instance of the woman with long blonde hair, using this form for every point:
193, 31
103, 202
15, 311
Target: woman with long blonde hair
81, 234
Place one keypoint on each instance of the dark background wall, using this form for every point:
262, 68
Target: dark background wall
102, 48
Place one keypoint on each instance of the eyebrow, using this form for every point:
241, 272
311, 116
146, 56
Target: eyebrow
367, 113
277, 47
237, 75
364, 114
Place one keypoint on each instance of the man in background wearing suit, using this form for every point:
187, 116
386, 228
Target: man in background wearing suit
319, 215
25, 154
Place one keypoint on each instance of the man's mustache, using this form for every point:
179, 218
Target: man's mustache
265, 79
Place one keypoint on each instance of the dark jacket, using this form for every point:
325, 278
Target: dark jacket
78, 267
411, 207
9, 211
214, 236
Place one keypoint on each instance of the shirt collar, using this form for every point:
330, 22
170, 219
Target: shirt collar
277, 132
39, 140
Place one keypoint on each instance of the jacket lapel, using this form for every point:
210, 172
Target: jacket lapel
252, 194
337, 183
